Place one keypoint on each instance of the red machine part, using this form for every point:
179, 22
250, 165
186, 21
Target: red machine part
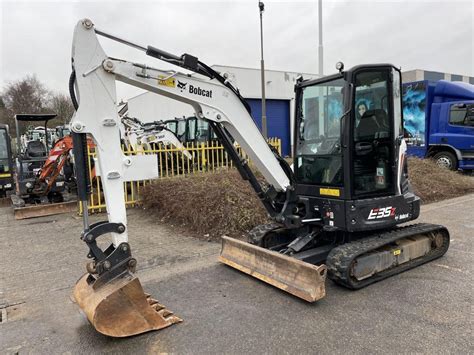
55, 162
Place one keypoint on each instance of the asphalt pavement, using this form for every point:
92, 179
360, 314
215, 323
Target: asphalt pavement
424, 310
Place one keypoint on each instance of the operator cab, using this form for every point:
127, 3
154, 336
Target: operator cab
346, 126
191, 130
31, 156
348, 119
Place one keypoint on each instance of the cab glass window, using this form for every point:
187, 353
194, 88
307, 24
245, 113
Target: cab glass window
318, 150
3, 144
372, 150
191, 129
461, 115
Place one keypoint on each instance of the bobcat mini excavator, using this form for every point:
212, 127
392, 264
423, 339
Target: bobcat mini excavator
336, 214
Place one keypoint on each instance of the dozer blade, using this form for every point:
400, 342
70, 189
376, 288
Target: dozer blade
42, 210
120, 308
303, 280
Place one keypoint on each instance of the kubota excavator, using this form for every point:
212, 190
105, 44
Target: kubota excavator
337, 214
54, 164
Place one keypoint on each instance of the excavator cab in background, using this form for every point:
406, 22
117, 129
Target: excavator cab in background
192, 130
6, 161
40, 181
336, 213
61, 132
30, 159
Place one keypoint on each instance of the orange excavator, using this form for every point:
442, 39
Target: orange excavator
56, 161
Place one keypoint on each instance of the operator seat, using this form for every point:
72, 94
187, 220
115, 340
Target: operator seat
372, 125
35, 149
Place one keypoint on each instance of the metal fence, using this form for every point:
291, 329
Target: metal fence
172, 161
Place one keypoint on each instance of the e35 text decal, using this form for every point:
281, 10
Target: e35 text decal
384, 212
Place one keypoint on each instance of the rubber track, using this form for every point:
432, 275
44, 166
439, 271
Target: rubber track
255, 236
340, 259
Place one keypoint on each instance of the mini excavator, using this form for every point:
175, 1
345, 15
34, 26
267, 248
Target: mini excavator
336, 213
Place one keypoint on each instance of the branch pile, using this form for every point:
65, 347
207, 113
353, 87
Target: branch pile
208, 204
432, 183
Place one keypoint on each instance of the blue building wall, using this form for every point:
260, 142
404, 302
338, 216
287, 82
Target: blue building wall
278, 120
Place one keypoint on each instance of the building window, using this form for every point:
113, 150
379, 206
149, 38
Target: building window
455, 77
433, 75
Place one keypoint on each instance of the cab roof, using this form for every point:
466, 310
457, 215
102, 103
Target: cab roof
35, 117
456, 89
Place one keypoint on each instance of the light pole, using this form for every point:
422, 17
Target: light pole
261, 8
320, 47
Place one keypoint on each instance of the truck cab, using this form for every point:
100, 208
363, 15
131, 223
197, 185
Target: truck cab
439, 122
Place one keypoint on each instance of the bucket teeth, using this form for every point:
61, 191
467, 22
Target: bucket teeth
157, 307
165, 313
151, 301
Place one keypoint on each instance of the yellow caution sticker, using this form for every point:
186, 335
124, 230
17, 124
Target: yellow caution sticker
5, 175
397, 252
329, 192
170, 82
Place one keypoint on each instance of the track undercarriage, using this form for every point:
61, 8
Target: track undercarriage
352, 260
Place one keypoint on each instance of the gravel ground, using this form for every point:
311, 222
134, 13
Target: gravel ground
425, 310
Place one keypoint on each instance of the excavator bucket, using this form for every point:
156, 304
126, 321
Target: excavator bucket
303, 280
121, 308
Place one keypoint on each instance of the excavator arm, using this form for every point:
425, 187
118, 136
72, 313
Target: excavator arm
110, 282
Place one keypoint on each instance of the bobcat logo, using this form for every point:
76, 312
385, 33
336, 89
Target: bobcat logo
182, 86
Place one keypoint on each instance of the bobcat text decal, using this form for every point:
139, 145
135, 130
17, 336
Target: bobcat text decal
194, 89
384, 212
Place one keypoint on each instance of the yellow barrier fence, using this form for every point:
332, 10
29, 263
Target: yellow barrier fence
172, 161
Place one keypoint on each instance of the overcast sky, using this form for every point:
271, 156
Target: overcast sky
36, 35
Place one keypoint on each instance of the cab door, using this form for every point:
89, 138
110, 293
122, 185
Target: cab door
373, 148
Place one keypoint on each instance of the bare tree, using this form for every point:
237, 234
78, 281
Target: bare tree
27, 95
61, 105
